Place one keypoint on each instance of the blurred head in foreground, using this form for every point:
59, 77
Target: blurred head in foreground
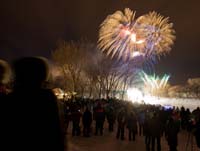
30, 72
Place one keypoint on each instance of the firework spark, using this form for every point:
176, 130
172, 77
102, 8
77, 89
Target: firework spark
154, 83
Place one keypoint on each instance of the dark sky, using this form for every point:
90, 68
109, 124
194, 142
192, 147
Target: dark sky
32, 27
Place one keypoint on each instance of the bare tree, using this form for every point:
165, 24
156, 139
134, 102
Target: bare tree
68, 56
90, 72
104, 73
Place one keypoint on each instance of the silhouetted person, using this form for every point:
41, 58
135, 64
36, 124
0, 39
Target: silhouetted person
196, 114
141, 117
132, 126
183, 118
76, 117
34, 112
87, 121
155, 131
146, 131
197, 132
111, 119
172, 130
121, 119
99, 116
67, 116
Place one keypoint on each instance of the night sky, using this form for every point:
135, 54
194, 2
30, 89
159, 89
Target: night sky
32, 27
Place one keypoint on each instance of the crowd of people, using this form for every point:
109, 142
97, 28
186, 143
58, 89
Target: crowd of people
152, 122
34, 119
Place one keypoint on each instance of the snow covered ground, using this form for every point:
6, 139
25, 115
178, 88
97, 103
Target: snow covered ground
135, 95
108, 142
178, 102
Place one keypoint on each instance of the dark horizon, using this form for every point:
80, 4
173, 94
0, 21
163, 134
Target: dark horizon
32, 27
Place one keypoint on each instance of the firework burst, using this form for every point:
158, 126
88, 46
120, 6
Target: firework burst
122, 35
118, 35
158, 33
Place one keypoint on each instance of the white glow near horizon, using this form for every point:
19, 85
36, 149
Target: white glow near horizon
135, 95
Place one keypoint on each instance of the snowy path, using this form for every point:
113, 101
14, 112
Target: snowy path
108, 142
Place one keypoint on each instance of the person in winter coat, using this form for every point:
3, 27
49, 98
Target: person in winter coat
34, 110
121, 119
132, 126
172, 130
87, 121
67, 116
197, 132
99, 116
111, 119
155, 131
141, 118
76, 117
146, 131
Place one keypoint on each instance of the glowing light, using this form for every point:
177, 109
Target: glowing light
126, 32
140, 41
135, 54
133, 37
134, 95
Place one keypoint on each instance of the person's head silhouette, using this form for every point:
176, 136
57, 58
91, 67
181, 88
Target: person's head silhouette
30, 72
34, 108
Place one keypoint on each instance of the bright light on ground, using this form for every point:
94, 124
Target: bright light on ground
135, 95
